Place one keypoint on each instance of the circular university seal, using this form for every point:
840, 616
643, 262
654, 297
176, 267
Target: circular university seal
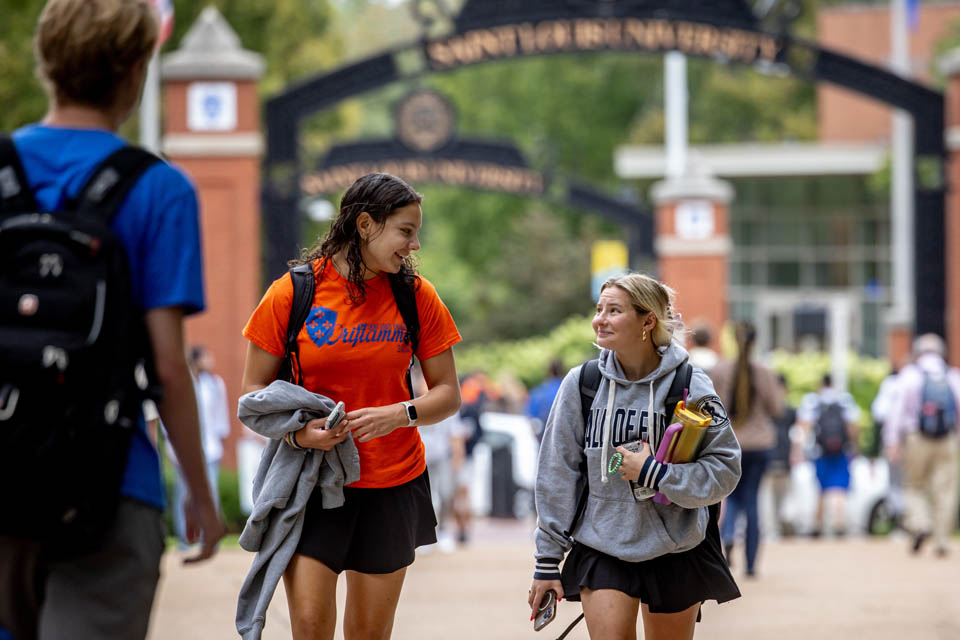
425, 120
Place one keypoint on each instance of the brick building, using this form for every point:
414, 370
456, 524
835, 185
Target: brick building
808, 226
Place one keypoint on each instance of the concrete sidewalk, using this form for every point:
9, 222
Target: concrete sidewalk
855, 589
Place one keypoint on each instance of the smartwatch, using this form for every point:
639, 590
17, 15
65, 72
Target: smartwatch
411, 413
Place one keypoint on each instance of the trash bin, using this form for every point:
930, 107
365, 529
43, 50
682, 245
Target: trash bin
503, 487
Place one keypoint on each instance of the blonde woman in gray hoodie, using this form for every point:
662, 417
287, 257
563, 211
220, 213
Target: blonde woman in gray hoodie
628, 555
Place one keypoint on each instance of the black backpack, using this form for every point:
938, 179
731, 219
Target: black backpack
76, 359
304, 287
831, 428
938, 408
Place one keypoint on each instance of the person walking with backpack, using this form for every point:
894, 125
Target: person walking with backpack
831, 417
102, 279
749, 391
370, 312
628, 554
920, 432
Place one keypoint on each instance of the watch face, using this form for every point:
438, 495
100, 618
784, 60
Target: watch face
411, 413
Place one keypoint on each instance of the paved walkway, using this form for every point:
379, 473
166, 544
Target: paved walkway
855, 589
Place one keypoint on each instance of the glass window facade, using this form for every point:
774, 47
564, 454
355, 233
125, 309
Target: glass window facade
801, 240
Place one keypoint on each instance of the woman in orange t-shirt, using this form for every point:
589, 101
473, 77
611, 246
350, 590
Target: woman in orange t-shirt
354, 348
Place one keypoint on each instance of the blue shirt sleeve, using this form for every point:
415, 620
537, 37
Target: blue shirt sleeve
161, 219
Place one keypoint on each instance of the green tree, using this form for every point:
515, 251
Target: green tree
21, 95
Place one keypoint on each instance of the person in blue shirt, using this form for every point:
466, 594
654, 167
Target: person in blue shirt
92, 58
541, 397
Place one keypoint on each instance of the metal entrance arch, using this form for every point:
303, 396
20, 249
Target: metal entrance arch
427, 149
724, 30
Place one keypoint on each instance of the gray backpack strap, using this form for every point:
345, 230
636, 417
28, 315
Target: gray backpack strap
15, 193
110, 184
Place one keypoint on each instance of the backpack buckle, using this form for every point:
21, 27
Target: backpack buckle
9, 395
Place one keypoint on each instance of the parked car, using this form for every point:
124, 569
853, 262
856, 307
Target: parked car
873, 502
504, 466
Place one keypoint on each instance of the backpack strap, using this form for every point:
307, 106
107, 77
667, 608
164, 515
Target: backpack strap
15, 193
406, 300
680, 384
303, 290
589, 384
109, 185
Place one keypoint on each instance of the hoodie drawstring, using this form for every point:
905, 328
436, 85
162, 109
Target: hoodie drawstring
605, 447
652, 435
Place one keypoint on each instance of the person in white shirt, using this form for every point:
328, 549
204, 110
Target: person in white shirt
701, 355
211, 395
921, 433
444, 451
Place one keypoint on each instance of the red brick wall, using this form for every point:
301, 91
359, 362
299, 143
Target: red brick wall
864, 32
700, 281
953, 227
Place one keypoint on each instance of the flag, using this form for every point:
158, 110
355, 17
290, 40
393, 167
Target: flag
164, 9
913, 13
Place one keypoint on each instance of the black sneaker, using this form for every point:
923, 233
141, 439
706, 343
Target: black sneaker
918, 540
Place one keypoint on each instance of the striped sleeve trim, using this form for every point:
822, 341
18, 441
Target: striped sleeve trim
547, 569
651, 473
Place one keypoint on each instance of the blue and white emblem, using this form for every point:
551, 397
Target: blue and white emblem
320, 325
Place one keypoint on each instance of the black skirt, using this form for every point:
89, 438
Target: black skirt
375, 531
667, 584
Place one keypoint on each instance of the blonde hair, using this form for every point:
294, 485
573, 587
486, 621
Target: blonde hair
86, 49
649, 295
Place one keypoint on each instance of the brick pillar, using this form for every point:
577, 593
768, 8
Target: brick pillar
692, 244
950, 66
212, 131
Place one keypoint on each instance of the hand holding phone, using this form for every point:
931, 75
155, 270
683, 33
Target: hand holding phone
335, 417
547, 610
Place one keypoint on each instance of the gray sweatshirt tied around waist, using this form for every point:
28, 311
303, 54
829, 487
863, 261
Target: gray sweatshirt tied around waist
284, 481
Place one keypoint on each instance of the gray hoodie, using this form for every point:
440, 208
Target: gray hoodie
285, 479
614, 521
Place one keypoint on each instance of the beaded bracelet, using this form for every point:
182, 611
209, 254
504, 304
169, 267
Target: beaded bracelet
614, 464
291, 439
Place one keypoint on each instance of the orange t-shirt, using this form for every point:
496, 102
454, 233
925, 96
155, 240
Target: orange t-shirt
356, 353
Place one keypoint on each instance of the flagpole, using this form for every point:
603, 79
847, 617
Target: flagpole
902, 177
150, 108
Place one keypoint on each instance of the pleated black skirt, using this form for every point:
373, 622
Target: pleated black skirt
667, 584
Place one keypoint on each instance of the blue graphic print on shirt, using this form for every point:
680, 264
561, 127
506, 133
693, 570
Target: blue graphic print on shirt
323, 330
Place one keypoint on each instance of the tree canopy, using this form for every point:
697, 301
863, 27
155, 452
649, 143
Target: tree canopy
508, 267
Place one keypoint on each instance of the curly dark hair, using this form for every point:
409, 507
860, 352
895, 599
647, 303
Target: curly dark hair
379, 194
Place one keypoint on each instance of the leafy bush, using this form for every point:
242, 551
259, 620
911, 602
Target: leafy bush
528, 358
572, 342
230, 501
229, 489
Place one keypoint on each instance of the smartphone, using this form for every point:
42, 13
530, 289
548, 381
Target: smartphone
335, 416
547, 610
